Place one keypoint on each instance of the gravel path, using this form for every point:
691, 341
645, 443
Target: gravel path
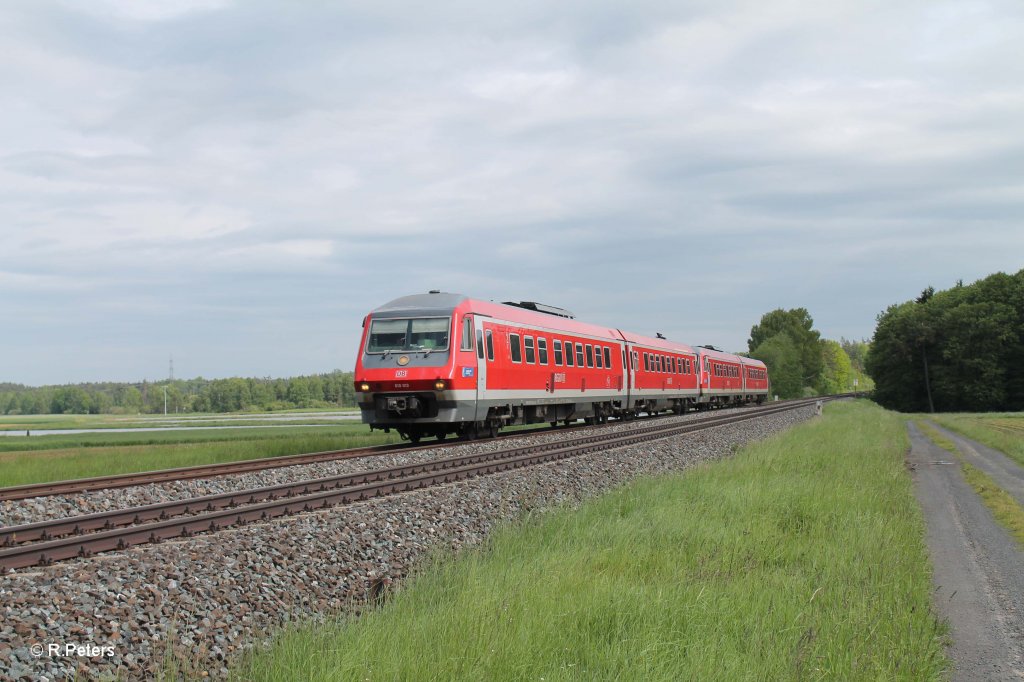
1007, 474
203, 601
979, 569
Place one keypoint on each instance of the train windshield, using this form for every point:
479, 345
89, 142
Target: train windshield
415, 334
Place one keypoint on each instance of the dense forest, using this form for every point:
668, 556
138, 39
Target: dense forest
800, 362
182, 395
956, 350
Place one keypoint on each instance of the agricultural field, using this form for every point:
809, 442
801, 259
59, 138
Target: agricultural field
40, 458
802, 557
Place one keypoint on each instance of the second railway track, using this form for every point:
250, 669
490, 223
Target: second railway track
45, 542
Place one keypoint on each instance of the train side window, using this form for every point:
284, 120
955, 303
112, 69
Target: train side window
590, 355
542, 350
569, 359
467, 333
516, 348
490, 345
480, 344
599, 359
636, 360
647, 362
623, 351
530, 356
579, 355
558, 352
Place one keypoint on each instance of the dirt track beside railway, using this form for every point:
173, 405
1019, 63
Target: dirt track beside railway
979, 568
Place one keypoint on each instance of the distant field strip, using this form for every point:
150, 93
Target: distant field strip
802, 557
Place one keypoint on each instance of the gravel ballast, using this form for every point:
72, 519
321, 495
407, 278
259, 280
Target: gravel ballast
201, 602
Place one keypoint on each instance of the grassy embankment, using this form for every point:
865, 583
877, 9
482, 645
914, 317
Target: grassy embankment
800, 558
36, 459
1002, 505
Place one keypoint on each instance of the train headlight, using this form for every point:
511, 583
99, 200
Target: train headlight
439, 385
364, 387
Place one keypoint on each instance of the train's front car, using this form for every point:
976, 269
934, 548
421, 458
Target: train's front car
404, 377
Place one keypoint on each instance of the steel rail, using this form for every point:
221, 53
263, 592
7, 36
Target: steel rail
448, 470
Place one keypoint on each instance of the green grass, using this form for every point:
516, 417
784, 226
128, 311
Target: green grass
1002, 431
54, 458
1003, 506
800, 558
111, 421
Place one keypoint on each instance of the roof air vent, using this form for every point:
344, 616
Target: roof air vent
541, 308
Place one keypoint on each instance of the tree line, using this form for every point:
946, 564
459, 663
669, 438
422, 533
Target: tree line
800, 362
335, 389
956, 350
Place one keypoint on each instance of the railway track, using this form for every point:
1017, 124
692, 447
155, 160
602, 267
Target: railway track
84, 485
45, 542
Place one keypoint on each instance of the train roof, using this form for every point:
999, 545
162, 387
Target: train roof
664, 344
440, 303
728, 357
422, 304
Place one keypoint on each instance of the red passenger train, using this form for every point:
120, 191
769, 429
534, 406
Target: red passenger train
438, 364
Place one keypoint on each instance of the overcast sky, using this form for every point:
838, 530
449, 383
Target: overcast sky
235, 184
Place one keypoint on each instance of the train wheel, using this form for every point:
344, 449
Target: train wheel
493, 430
441, 436
415, 436
554, 424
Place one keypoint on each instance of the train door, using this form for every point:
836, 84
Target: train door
632, 358
484, 354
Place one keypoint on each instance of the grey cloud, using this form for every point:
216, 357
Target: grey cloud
208, 178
